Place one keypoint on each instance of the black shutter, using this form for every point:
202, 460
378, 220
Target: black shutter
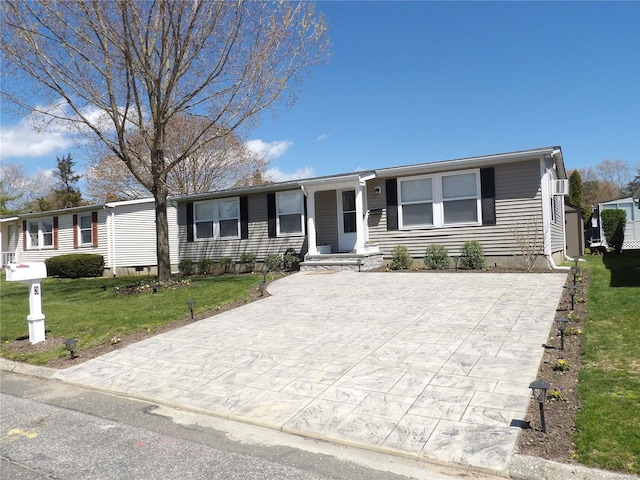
392, 203
190, 222
488, 194
271, 214
244, 217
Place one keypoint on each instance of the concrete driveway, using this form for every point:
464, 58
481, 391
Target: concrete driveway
428, 365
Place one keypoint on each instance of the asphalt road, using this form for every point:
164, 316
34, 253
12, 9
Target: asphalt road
49, 429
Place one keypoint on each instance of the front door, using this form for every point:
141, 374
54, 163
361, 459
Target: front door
347, 220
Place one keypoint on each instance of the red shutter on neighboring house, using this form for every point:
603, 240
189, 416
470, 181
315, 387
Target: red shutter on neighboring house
75, 231
55, 233
24, 235
94, 228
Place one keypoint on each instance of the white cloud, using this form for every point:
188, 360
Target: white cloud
271, 150
321, 138
23, 140
277, 175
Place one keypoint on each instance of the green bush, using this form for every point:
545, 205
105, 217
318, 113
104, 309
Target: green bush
205, 266
249, 259
75, 265
472, 256
436, 257
273, 262
613, 226
227, 265
291, 260
185, 267
401, 258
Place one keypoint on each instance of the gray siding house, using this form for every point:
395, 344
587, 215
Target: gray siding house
122, 232
362, 216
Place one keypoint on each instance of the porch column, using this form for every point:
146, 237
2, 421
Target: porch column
360, 233
311, 223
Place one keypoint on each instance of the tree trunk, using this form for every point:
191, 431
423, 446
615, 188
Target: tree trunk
162, 235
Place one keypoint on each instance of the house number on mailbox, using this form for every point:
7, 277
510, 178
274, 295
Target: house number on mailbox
36, 290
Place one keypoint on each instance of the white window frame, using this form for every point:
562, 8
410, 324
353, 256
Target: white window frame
300, 212
215, 219
41, 234
80, 230
438, 201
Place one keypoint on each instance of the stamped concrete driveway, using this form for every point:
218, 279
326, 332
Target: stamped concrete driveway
429, 365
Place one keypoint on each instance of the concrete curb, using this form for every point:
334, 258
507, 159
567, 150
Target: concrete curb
524, 467
26, 369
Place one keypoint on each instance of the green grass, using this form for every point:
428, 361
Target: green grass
608, 425
82, 309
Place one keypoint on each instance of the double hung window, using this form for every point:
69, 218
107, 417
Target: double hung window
217, 219
40, 233
290, 213
439, 200
85, 228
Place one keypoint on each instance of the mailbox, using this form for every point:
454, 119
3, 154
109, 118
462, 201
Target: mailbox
26, 271
31, 273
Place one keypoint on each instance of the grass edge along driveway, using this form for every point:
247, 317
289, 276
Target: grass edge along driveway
608, 424
95, 310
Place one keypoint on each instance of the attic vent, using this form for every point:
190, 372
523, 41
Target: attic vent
560, 187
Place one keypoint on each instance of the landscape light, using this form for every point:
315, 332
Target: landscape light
191, 304
562, 324
539, 390
71, 345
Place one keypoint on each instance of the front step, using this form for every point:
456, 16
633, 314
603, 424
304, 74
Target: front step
341, 261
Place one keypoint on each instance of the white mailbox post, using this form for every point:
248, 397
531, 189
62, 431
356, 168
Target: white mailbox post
31, 273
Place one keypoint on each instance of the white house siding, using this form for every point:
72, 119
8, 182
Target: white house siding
134, 235
518, 200
258, 242
65, 239
327, 219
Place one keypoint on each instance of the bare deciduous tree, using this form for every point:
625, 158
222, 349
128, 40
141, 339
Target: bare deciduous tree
224, 163
529, 236
122, 70
23, 190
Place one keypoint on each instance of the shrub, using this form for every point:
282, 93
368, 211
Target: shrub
436, 257
272, 262
227, 265
75, 265
205, 266
472, 256
185, 267
613, 225
291, 260
249, 259
401, 258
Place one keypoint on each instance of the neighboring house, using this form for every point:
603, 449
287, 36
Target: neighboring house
366, 214
122, 232
595, 235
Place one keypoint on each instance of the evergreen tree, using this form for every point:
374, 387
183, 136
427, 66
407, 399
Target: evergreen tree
66, 195
575, 189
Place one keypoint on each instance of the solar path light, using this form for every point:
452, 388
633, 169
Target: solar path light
572, 291
562, 325
539, 390
72, 345
191, 304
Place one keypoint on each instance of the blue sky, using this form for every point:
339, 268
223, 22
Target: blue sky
413, 82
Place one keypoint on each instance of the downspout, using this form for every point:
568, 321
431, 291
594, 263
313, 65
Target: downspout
546, 215
111, 239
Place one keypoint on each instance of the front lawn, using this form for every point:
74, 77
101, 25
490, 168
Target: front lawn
608, 425
95, 310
